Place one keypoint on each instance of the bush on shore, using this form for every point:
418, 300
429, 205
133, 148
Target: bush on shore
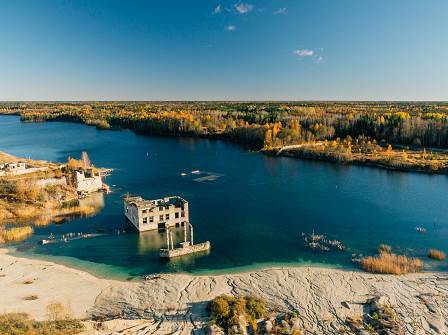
21, 324
389, 263
436, 254
228, 312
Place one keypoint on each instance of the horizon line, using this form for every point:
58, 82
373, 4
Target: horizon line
228, 101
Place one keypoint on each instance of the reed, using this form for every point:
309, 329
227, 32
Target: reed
388, 263
436, 254
16, 234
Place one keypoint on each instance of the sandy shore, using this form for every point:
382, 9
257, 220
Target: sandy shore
176, 304
50, 282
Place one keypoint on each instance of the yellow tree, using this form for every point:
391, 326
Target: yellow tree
268, 138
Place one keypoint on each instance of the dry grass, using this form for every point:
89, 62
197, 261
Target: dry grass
57, 311
42, 221
25, 211
388, 263
16, 234
6, 158
436, 254
21, 324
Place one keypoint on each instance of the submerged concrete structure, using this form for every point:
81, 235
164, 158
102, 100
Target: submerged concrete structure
186, 247
156, 214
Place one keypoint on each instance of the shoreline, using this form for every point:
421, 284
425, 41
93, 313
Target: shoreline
124, 277
362, 162
353, 162
323, 297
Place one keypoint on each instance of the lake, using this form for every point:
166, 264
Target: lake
253, 212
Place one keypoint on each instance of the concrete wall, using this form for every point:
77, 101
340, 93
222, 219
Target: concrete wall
145, 218
16, 172
132, 214
189, 249
87, 184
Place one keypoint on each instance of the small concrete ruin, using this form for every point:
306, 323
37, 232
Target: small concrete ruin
83, 176
18, 168
87, 181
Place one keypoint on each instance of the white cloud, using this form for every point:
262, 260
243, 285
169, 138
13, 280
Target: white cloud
217, 9
230, 28
311, 54
243, 8
303, 52
280, 11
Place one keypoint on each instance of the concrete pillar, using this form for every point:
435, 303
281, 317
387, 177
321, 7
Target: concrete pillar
172, 244
185, 232
167, 238
191, 234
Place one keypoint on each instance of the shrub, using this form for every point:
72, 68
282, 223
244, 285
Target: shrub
255, 307
388, 263
436, 254
227, 311
220, 310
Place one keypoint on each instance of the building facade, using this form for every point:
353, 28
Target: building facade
156, 214
87, 181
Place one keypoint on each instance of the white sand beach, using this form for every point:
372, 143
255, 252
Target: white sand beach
177, 303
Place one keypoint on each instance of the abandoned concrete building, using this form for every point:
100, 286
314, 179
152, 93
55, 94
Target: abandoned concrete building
18, 168
86, 181
156, 214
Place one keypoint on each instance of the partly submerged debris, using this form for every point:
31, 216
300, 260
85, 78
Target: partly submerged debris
68, 237
420, 229
322, 243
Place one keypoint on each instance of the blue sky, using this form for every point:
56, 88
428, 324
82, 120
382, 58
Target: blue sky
224, 50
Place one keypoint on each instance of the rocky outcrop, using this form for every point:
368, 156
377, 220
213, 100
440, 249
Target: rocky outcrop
324, 299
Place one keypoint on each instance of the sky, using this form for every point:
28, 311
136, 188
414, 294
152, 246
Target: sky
224, 50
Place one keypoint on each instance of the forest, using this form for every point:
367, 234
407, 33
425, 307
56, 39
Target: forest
384, 129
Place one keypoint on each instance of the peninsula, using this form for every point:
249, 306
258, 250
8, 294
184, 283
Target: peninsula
38, 192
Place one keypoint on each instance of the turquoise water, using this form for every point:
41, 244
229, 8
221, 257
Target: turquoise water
253, 212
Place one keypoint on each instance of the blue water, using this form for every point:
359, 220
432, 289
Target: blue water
253, 213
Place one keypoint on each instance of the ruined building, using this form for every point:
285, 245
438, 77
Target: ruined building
156, 214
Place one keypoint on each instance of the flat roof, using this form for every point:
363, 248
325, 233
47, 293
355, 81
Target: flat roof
140, 202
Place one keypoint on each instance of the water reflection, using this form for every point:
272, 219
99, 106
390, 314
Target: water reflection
95, 200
